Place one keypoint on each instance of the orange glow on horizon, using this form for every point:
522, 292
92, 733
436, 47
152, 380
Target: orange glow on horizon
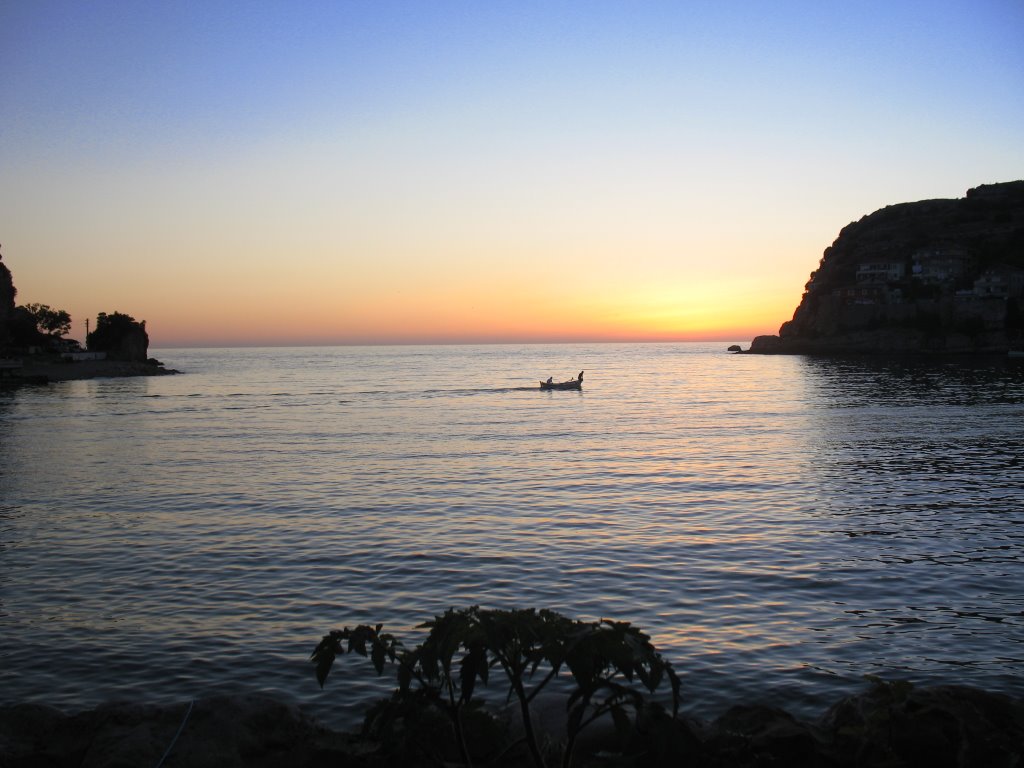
436, 299
424, 325
452, 314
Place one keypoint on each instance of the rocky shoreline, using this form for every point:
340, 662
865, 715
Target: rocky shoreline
45, 371
891, 343
891, 725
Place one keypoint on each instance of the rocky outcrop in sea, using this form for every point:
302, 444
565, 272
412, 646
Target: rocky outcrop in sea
934, 276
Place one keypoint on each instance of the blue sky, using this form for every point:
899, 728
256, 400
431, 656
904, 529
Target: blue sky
479, 171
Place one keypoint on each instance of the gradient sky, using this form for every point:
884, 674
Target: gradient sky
350, 172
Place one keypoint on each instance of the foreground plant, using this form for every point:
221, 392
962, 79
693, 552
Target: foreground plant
608, 662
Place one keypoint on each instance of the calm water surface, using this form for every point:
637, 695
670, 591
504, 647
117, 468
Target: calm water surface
782, 526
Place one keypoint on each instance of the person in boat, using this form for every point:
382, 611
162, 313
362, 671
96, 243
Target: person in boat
581, 376
550, 378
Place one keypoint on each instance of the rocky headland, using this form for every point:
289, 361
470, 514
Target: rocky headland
118, 347
930, 277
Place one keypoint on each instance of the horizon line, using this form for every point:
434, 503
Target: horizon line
438, 343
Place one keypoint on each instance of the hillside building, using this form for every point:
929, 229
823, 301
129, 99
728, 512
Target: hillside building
880, 272
940, 265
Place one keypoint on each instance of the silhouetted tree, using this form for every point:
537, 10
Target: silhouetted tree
23, 330
54, 322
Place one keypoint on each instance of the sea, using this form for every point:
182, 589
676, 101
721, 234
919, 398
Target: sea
783, 527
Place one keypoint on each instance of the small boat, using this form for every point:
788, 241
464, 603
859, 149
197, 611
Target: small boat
570, 384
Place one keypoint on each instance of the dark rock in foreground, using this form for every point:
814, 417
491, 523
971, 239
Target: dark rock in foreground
219, 732
892, 725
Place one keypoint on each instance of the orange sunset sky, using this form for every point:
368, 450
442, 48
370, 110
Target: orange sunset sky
347, 172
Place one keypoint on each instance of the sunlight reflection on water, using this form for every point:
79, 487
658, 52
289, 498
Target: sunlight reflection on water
780, 525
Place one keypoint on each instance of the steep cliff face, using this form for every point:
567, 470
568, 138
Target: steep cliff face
930, 276
7, 293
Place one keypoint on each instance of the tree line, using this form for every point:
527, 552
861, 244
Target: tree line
41, 325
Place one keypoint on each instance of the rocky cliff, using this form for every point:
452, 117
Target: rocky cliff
121, 336
7, 293
935, 276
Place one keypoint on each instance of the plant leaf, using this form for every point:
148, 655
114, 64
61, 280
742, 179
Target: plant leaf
323, 657
377, 656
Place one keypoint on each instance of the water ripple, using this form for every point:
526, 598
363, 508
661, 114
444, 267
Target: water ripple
781, 526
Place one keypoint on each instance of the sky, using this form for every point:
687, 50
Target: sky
265, 173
